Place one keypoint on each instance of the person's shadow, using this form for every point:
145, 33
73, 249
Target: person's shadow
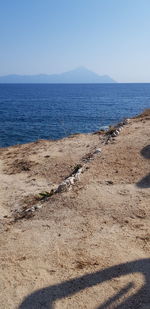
145, 182
46, 297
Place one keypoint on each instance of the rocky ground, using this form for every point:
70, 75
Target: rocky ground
86, 247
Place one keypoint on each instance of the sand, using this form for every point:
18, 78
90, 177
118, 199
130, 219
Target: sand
88, 247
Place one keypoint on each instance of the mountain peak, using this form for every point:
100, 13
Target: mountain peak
81, 68
84, 75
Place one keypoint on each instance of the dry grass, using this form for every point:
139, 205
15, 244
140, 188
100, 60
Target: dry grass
19, 166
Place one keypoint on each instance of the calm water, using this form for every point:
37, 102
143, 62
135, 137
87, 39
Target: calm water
46, 111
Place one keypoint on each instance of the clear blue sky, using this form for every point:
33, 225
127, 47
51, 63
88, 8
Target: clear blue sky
51, 36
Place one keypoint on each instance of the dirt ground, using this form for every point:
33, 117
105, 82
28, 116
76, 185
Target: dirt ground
88, 247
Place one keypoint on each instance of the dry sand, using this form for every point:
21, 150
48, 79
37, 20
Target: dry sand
85, 248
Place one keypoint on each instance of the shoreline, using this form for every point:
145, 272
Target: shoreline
73, 134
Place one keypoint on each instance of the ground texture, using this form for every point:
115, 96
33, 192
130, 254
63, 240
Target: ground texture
88, 247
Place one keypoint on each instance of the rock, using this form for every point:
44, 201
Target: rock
109, 182
32, 209
38, 207
67, 182
62, 187
71, 180
77, 176
98, 150
126, 121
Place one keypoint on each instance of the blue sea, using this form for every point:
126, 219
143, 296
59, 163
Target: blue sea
29, 112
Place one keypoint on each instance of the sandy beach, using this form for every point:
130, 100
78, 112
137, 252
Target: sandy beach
85, 247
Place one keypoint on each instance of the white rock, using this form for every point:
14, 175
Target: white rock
79, 172
126, 121
31, 209
38, 206
71, 180
67, 182
98, 150
77, 175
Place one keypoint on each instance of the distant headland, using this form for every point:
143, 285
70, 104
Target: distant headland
77, 76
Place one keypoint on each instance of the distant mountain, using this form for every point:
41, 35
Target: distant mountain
79, 75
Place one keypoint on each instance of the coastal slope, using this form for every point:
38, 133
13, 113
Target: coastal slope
87, 247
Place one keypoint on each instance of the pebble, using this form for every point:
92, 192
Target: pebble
109, 182
98, 150
38, 207
126, 121
72, 180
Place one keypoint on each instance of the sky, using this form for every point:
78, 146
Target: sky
53, 36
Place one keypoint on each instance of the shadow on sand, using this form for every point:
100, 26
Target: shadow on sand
145, 182
45, 298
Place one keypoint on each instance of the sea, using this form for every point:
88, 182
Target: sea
29, 112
